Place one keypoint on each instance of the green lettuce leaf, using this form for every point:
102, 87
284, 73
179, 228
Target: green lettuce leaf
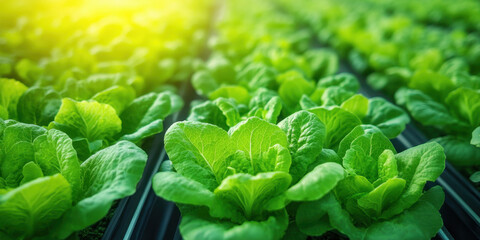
175, 187
255, 138
390, 80
10, 92
144, 116
305, 136
416, 165
6, 65
292, 87
335, 96
198, 151
420, 221
119, 97
338, 123
464, 103
428, 111
204, 83
252, 193
239, 93
316, 183
208, 112
475, 177
435, 85
459, 151
270, 111
31, 171
221, 69
30, 209
28, 71
17, 148
90, 120
358, 105
96, 83
324, 62
258, 75
345, 81
229, 110
39, 105
386, 116
196, 224
108, 175
307, 103
261, 97
54, 153
476, 137
362, 150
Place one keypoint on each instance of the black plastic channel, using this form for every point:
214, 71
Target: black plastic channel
128, 208
125, 209
159, 218
460, 212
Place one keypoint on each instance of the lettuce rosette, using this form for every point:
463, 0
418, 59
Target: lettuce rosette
382, 195
46, 192
237, 184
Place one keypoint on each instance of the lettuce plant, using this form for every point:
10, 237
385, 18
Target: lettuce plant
46, 192
382, 195
236, 184
11, 91
451, 106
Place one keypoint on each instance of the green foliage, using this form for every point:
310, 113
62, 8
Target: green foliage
47, 192
144, 116
421, 221
90, 120
306, 136
39, 105
76, 105
338, 123
386, 116
292, 87
227, 112
237, 183
11, 91
459, 151
382, 194
428, 111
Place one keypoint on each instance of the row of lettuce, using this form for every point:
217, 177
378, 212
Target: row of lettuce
429, 67
79, 92
285, 148
464, 15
